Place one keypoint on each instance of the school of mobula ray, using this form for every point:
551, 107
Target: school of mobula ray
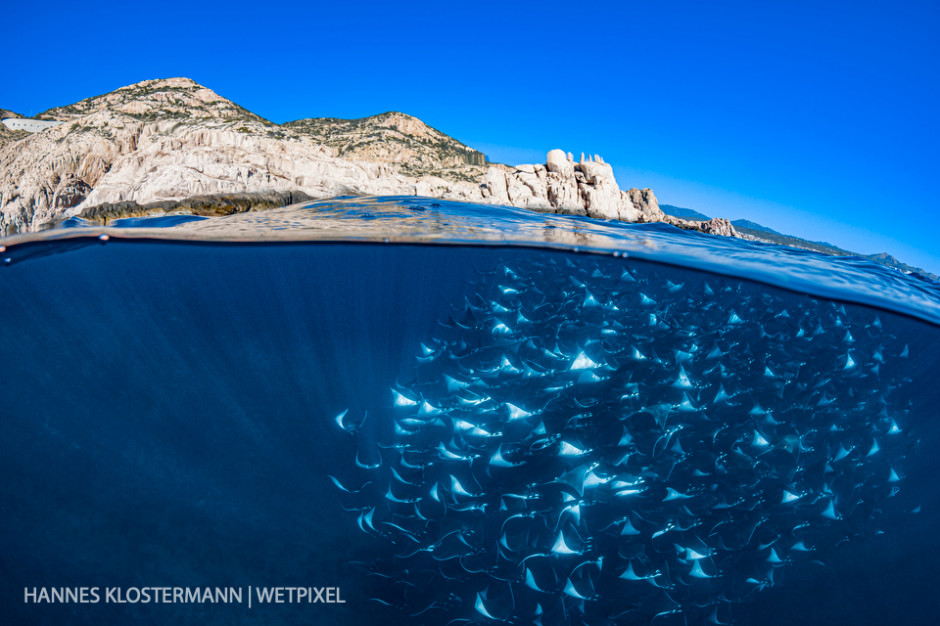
592, 440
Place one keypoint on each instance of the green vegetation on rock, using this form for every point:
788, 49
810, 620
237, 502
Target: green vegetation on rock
392, 137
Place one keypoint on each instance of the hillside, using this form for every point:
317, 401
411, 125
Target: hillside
886, 259
8, 135
759, 232
392, 138
158, 100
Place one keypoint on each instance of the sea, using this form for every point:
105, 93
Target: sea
404, 410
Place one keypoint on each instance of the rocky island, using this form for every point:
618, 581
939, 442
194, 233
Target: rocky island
172, 145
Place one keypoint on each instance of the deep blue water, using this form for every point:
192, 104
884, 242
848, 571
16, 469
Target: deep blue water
479, 433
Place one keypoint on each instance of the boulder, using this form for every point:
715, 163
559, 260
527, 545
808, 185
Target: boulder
559, 163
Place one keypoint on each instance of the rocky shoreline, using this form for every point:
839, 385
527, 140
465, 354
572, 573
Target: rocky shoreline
206, 205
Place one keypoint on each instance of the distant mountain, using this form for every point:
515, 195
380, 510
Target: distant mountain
685, 214
762, 233
749, 225
766, 234
753, 230
886, 259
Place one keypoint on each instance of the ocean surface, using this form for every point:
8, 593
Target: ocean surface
460, 414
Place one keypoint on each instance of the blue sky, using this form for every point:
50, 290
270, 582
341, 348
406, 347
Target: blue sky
818, 119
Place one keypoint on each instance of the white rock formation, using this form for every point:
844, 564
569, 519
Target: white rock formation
558, 163
563, 186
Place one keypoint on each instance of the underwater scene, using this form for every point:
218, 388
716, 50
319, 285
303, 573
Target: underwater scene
444, 413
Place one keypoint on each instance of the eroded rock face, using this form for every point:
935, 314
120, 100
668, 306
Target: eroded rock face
153, 145
70, 192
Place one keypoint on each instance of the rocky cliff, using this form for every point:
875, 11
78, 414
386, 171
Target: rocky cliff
174, 145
